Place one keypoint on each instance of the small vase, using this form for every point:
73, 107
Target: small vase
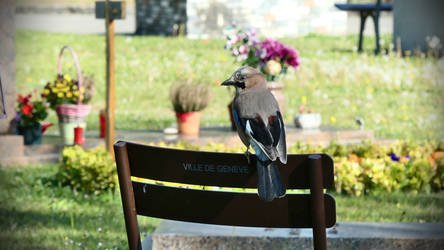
308, 121
32, 135
188, 123
276, 90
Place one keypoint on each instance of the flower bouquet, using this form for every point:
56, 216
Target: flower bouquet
271, 57
69, 99
30, 114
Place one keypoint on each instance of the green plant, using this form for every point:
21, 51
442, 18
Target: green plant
89, 171
189, 97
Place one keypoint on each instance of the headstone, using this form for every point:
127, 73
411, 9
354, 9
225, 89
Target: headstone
161, 17
10, 145
7, 61
415, 20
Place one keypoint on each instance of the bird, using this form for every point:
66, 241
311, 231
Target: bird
260, 125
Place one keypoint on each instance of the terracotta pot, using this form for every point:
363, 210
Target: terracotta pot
276, 90
188, 123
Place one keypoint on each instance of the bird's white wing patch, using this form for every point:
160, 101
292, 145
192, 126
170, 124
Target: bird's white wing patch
258, 147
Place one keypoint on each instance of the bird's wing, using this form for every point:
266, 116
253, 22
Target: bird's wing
264, 139
282, 144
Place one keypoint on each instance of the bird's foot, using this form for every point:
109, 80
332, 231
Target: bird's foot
247, 155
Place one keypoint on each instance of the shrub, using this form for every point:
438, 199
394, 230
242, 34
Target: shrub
89, 171
189, 97
406, 166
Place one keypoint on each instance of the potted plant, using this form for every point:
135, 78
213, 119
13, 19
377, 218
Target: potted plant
188, 100
271, 57
31, 111
69, 98
307, 119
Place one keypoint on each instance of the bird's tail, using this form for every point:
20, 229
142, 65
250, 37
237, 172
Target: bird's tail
269, 184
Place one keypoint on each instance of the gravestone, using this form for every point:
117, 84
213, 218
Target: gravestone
160, 17
414, 21
7, 60
10, 145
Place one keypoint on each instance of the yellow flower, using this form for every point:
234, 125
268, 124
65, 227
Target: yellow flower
405, 118
370, 90
60, 95
273, 68
333, 119
46, 92
67, 77
59, 85
28, 79
76, 93
82, 90
74, 87
304, 99
404, 107
54, 90
69, 94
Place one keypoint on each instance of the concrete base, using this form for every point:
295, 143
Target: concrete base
345, 235
12, 149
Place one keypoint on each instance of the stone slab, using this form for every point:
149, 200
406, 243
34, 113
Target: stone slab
345, 235
11, 145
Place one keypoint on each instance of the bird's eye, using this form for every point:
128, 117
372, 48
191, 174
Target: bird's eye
238, 76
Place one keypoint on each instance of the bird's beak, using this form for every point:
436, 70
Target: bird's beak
228, 82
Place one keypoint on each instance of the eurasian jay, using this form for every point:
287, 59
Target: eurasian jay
259, 123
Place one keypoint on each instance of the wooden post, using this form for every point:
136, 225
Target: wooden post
109, 135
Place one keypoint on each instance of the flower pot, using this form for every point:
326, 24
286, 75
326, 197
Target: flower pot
67, 124
32, 135
188, 123
308, 121
276, 90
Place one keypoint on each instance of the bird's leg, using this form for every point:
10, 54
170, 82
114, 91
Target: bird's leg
247, 155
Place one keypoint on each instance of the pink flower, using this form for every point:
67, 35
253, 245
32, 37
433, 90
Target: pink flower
243, 50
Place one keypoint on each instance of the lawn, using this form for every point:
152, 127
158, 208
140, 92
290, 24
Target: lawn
397, 97
36, 212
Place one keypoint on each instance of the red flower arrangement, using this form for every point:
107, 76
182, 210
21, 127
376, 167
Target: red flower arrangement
31, 112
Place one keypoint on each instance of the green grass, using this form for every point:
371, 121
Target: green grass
397, 97
35, 212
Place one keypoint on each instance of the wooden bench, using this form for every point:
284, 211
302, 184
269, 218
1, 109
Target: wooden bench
366, 10
315, 210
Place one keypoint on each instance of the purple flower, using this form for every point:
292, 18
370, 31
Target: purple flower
291, 57
394, 157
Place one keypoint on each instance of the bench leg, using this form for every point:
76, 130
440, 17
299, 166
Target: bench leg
317, 203
363, 16
376, 22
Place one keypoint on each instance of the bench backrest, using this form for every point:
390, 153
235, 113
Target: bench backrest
221, 170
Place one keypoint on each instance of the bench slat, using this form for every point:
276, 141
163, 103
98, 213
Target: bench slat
227, 208
217, 169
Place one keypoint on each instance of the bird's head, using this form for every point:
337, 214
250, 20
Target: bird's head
246, 77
